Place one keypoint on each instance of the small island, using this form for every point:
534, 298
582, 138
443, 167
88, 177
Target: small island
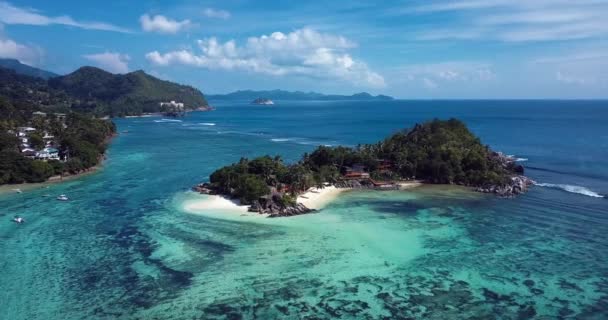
262, 101
436, 152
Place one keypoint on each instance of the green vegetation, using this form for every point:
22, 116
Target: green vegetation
28, 94
81, 139
117, 95
24, 69
442, 152
71, 106
92, 90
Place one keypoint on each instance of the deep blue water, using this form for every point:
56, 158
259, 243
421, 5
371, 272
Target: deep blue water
123, 247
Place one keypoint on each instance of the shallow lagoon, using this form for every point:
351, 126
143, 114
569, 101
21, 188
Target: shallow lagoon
124, 247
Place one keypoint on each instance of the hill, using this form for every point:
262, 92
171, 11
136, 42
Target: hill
24, 69
130, 94
249, 95
32, 93
95, 91
437, 152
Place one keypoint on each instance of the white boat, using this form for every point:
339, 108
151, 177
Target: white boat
17, 190
63, 197
18, 220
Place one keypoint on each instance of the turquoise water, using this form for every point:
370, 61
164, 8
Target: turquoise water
124, 248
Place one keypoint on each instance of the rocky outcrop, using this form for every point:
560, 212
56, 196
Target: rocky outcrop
507, 162
204, 188
270, 204
262, 101
349, 184
273, 205
517, 185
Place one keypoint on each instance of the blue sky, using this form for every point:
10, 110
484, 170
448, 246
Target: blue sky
408, 49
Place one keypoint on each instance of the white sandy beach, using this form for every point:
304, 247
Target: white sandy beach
409, 184
314, 198
213, 203
317, 198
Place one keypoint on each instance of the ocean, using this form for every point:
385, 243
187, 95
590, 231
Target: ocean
124, 247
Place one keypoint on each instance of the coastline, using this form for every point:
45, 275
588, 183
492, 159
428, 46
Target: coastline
11, 188
144, 115
203, 203
318, 198
313, 198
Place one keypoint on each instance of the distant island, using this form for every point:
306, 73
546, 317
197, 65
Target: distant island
249, 95
262, 101
436, 152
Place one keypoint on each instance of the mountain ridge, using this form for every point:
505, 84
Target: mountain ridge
96, 91
125, 94
279, 94
26, 70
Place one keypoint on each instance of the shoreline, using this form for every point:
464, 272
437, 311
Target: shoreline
145, 115
12, 188
314, 198
27, 186
214, 202
318, 198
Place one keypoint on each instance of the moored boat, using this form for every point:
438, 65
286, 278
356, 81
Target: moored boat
18, 220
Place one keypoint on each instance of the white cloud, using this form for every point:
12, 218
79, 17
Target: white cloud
448, 34
162, 24
570, 79
429, 84
302, 52
449, 74
23, 53
216, 13
517, 20
110, 61
11, 49
10, 14
459, 5
585, 66
449, 71
594, 55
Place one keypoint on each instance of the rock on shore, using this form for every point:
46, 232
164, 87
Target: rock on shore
272, 206
517, 184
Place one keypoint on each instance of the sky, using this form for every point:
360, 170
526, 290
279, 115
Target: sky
459, 49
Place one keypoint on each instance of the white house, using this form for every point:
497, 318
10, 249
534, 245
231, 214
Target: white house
29, 153
172, 103
48, 154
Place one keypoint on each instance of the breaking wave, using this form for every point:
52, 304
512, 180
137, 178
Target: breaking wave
516, 158
167, 120
207, 124
572, 189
